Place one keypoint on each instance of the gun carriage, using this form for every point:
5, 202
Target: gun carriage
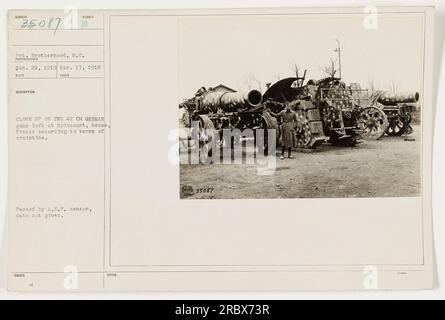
221, 108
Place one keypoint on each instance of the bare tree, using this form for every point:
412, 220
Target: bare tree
296, 69
330, 70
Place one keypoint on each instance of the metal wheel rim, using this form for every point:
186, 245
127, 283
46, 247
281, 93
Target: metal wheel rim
373, 122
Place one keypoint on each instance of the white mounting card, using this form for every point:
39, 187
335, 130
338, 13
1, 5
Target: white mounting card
220, 149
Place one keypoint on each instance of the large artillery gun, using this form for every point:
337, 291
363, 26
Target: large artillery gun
343, 114
330, 111
398, 109
222, 108
327, 109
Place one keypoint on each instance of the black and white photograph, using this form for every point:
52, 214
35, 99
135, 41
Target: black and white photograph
300, 106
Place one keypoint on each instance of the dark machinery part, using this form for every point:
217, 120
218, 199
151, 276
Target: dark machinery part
339, 112
221, 108
222, 100
399, 118
388, 99
311, 134
398, 109
373, 123
291, 91
231, 101
328, 109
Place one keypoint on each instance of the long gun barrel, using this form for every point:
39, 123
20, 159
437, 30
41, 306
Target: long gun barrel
230, 101
389, 99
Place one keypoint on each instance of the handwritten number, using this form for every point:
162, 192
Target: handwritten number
50, 23
42, 24
24, 24
59, 20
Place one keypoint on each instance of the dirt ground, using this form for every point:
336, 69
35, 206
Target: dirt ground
389, 167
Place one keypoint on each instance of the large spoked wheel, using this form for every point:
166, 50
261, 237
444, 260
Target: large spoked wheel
373, 123
304, 135
269, 123
206, 136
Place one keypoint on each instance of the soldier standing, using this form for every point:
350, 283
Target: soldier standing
288, 130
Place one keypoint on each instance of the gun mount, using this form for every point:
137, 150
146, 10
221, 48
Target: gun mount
293, 92
398, 109
388, 99
329, 109
222, 108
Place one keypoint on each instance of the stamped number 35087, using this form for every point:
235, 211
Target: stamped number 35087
204, 190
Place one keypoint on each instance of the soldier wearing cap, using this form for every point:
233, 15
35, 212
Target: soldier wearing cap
288, 130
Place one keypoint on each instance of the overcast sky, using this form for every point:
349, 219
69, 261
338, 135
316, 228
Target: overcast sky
231, 50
